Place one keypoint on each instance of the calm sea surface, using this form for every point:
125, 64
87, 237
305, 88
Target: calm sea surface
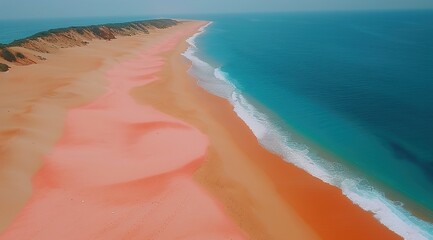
346, 96
352, 92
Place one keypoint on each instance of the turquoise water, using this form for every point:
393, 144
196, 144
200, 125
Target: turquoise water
345, 96
350, 95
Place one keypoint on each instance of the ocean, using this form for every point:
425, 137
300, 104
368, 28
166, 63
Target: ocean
346, 96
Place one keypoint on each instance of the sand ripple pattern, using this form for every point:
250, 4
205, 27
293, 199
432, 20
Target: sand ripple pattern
123, 170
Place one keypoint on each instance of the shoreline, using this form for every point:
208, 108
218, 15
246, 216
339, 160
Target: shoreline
110, 173
389, 213
265, 197
212, 173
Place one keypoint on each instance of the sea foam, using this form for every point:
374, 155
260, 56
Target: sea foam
389, 213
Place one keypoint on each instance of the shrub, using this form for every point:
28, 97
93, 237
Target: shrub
97, 31
8, 55
20, 55
3, 67
80, 31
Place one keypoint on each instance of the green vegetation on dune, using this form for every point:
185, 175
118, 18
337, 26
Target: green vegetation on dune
67, 37
20, 55
3, 67
8, 55
98, 29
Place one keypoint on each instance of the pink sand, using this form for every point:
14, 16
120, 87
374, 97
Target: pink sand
123, 170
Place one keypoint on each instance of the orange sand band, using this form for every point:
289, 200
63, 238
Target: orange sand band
127, 164
124, 171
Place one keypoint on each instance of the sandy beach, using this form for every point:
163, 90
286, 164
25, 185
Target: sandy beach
115, 140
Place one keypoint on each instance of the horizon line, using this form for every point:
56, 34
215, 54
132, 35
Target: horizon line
173, 15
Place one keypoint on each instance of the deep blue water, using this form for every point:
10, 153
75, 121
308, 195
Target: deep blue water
355, 89
347, 96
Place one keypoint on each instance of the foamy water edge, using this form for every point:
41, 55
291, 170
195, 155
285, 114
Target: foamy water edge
389, 213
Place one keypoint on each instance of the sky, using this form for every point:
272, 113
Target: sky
13, 9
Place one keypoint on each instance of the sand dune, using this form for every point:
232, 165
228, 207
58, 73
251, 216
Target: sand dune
114, 140
121, 170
